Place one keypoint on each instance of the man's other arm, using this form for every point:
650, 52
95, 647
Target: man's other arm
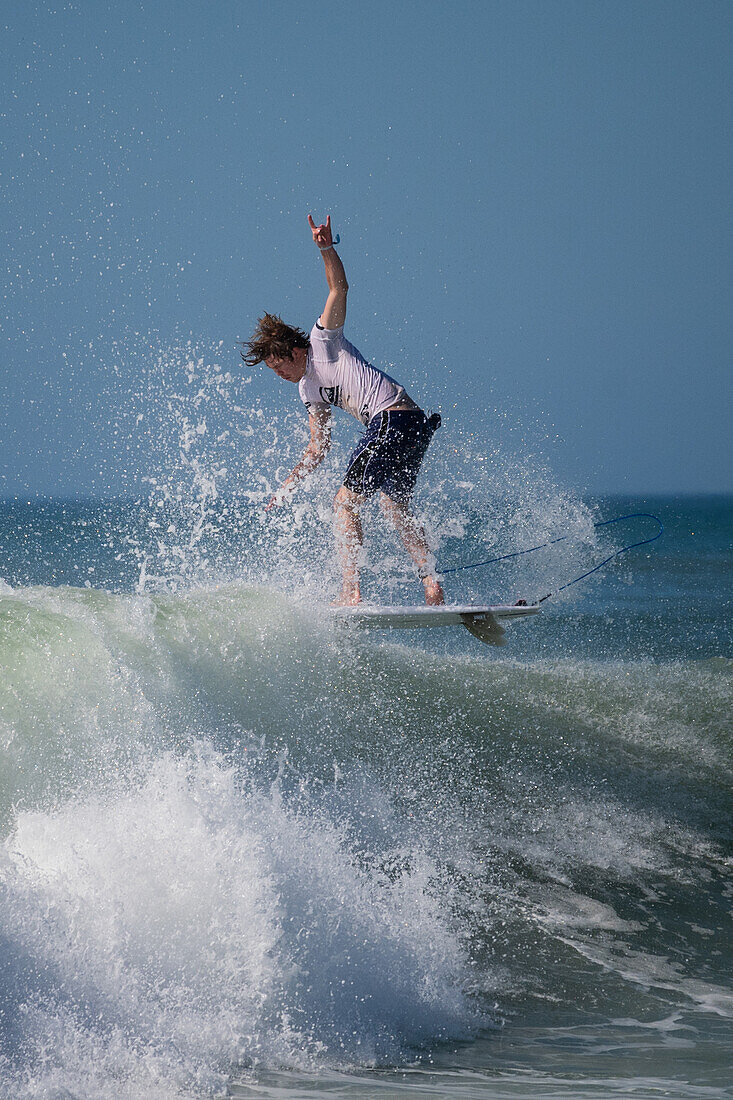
319, 421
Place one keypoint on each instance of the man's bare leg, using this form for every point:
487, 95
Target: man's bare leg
413, 537
349, 540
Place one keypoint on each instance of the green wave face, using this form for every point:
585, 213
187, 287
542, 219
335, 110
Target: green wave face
236, 835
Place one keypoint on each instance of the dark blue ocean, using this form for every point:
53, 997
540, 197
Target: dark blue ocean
246, 852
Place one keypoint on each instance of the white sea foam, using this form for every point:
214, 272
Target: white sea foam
163, 934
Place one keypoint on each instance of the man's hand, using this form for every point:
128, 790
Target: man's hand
321, 233
276, 500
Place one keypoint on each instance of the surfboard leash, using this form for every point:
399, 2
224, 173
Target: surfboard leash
563, 538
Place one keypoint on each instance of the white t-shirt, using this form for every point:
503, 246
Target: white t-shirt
337, 374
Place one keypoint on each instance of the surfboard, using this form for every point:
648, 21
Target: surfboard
484, 622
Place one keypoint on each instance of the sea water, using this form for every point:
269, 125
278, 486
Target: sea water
248, 852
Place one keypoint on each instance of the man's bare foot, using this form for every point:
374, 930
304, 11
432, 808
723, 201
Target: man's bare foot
434, 595
347, 599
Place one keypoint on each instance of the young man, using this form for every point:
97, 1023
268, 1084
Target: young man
330, 371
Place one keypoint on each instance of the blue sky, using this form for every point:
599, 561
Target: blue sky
533, 199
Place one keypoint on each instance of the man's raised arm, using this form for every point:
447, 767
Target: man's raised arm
334, 311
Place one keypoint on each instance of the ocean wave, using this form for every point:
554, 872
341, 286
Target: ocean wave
239, 836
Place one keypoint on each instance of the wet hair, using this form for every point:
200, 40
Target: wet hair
273, 337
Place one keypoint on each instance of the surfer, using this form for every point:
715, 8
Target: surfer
330, 371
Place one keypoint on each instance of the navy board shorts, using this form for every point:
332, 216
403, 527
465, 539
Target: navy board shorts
387, 458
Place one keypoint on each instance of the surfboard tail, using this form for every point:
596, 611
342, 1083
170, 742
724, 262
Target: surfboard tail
486, 628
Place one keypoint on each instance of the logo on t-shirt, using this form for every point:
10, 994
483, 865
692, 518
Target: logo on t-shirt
331, 394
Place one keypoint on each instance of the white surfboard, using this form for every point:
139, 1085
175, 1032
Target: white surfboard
482, 621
